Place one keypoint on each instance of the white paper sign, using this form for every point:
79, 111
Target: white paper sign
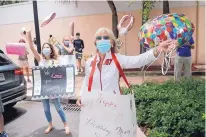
53, 82
68, 60
107, 115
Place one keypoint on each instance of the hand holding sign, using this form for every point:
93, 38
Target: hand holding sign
16, 48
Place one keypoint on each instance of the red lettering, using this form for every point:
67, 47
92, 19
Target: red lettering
56, 76
107, 61
105, 103
110, 61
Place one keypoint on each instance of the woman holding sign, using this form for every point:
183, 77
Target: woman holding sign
102, 72
48, 57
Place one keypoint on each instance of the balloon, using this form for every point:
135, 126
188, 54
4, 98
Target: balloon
123, 30
48, 19
71, 29
164, 27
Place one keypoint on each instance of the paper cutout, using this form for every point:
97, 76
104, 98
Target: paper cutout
48, 19
16, 48
105, 114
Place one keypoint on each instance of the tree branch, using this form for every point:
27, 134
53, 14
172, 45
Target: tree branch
114, 17
166, 7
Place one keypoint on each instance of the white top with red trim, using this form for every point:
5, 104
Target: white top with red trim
108, 79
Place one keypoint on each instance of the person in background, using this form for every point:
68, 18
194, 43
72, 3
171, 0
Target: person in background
35, 61
68, 46
66, 51
184, 58
2, 132
23, 61
52, 40
79, 46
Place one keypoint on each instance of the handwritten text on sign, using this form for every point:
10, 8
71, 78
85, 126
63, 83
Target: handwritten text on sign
16, 48
107, 115
52, 82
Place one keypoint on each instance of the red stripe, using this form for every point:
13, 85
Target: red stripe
118, 67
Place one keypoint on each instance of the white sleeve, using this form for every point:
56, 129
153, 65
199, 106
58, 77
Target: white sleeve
129, 62
86, 78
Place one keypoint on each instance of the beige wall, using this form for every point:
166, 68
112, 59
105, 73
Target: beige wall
87, 26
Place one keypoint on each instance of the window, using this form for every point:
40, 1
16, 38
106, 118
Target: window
4, 60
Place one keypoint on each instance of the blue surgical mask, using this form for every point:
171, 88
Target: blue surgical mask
46, 51
103, 46
66, 43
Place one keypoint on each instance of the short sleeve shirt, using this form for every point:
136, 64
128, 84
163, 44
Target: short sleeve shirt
185, 50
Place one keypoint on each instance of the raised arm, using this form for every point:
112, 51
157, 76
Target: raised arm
69, 49
141, 60
34, 51
129, 62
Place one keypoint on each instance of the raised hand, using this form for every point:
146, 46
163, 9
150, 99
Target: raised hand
167, 45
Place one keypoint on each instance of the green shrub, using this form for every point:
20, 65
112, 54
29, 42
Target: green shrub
172, 109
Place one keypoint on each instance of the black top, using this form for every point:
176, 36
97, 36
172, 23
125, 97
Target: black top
78, 45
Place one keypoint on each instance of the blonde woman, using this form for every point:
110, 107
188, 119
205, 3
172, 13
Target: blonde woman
47, 58
101, 72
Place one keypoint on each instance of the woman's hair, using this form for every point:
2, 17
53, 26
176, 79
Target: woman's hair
53, 52
22, 41
111, 36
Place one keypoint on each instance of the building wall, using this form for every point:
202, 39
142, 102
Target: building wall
87, 18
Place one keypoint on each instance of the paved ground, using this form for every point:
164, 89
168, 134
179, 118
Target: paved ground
27, 119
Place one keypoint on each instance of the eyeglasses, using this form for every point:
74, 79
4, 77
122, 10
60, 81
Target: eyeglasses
102, 37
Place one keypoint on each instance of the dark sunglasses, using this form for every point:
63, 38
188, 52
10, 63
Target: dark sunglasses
102, 37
